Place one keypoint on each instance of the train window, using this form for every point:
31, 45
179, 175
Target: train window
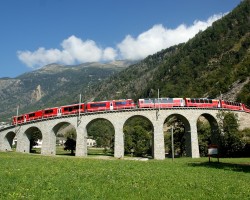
192, 100
157, 101
119, 103
20, 118
168, 100
201, 101
93, 105
210, 100
148, 101
70, 109
32, 115
48, 111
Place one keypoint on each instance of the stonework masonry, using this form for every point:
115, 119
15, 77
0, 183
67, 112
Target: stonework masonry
50, 127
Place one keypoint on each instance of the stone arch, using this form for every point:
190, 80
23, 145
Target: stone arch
104, 147
57, 136
28, 134
207, 131
148, 139
214, 127
8, 140
187, 130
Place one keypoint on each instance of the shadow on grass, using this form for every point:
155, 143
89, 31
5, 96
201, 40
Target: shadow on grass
65, 154
89, 154
100, 154
224, 166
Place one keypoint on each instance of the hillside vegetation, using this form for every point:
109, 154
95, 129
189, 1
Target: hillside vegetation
209, 64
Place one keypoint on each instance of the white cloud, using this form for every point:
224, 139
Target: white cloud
82, 51
75, 50
159, 37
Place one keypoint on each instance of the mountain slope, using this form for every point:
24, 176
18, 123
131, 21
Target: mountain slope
206, 66
52, 85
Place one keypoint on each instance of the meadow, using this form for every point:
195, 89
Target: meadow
34, 176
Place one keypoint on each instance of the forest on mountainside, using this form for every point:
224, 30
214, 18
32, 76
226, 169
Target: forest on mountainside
205, 66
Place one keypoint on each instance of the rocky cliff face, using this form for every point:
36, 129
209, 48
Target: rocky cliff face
37, 94
235, 88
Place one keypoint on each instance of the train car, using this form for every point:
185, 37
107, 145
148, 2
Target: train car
51, 112
33, 116
99, 106
231, 105
17, 119
202, 103
246, 108
123, 104
161, 103
146, 103
72, 109
169, 102
27, 117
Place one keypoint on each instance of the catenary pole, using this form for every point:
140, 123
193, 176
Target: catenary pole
80, 100
172, 140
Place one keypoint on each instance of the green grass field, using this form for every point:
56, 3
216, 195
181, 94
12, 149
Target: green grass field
32, 176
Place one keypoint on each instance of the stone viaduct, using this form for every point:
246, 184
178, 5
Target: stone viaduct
49, 128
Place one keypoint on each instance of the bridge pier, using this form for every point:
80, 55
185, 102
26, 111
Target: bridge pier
194, 141
49, 141
81, 140
158, 141
119, 140
23, 141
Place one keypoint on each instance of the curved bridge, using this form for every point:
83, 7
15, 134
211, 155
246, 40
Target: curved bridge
49, 129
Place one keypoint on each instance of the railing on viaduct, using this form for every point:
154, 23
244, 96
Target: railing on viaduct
49, 128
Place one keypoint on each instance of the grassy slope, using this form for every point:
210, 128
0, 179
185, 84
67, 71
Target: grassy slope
40, 177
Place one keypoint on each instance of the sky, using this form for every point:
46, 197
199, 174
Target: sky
34, 33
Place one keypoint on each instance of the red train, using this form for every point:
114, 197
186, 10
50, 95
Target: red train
74, 109
129, 104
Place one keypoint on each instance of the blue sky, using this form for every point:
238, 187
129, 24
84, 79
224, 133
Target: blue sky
34, 33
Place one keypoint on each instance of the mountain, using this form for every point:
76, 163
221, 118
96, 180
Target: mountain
53, 85
214, 62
